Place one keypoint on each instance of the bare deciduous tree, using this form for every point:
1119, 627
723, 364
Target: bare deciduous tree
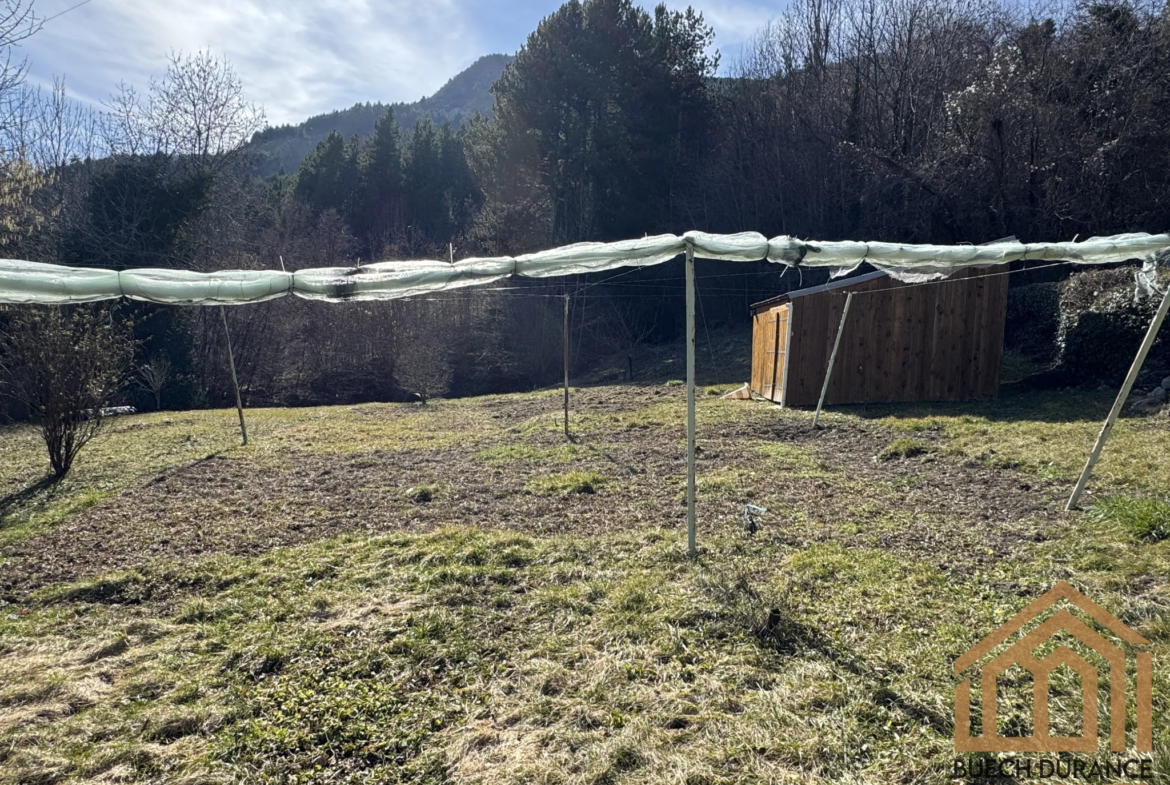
624, 327
67, 365
196, 112
154, 376
422, 367
200, 109
125, 127
17, 22
65, 130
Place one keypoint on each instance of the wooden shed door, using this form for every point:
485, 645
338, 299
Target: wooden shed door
769, 347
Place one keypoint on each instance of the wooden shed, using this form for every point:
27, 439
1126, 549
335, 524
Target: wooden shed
935, 341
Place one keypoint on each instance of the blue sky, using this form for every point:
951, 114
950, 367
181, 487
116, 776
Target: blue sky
303, 57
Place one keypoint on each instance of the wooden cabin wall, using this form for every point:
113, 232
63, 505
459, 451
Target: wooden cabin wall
932, 342
768, 350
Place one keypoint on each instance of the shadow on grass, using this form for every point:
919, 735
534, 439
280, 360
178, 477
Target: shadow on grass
740, 598
923, 715
787, 636
22, 497
1016, 403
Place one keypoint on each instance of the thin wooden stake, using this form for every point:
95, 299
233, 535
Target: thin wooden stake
235, 381
692, 550
832, 359
1130, 378
566, 331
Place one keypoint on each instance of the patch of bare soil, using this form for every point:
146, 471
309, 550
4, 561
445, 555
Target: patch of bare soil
953, 514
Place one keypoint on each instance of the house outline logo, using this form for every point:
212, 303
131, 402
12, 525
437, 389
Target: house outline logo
1040, 668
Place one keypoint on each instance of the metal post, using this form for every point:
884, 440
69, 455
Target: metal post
691, 549
832, 359
235, 381
566, 332
1138, 361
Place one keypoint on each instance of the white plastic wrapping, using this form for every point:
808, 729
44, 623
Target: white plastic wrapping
183, 287
33, 282
598, 257
741, 247
934, 260
24, 282
394, 280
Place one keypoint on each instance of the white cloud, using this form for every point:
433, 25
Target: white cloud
296, 57
734, 21
737, 22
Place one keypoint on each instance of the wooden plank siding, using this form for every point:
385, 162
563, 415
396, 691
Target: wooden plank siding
760, 335
769, 346
940, 341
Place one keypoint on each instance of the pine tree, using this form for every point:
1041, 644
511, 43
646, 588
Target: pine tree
424, 187
328, 177
592, 112
382, 200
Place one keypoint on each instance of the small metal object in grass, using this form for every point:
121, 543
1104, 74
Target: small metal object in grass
749, 517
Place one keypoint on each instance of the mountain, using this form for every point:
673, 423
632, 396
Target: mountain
284, 147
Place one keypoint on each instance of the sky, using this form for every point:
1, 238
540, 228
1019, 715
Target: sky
299, 58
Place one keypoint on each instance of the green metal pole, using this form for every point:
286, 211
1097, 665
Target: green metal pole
692, 551
566, 347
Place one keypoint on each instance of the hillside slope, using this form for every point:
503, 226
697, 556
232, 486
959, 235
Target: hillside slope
456, 593
284, 147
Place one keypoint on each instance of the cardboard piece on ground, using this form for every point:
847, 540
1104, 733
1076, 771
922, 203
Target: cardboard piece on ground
739, 394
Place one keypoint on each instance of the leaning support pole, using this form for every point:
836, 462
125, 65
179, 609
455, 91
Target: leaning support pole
832, 359
1138, 361
566, 331
691, 549
235, 381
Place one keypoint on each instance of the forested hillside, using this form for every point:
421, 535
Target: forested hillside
917, 121
281, 149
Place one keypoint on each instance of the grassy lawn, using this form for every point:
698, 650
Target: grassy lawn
453, 593
1047, 434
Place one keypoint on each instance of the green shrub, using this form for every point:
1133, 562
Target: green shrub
1033, 317
1146, 519
1101, 325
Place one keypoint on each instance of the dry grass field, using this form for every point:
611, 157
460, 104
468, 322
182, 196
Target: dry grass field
454, 593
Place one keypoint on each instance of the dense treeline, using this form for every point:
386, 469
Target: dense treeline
952, 122
914, 120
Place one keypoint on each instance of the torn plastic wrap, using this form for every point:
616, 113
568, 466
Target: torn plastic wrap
1147, 277
395, 280
923, 262
24, 282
